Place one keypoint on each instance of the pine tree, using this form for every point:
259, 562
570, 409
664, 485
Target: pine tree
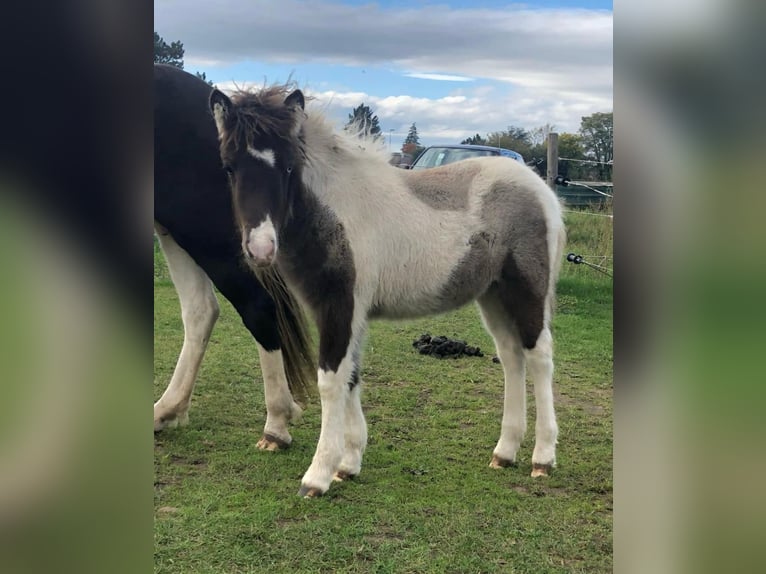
363, 121
173, 54
202, 76
412, 136
165, 53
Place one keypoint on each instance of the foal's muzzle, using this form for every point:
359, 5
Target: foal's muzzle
260, 244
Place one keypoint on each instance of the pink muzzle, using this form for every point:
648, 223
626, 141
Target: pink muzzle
260, 244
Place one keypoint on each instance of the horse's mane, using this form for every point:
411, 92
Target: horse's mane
261, 111
258, 112
328, 146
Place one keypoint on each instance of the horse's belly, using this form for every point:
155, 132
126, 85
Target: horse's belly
435, 284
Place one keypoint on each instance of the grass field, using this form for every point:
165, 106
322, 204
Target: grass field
426, 500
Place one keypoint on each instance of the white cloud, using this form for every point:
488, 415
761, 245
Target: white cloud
531, 66
439, 77
551, 48
453, 118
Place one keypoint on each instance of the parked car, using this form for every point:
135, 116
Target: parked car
437, 155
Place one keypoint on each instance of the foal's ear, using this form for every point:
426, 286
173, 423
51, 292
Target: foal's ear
220, 105
295, 100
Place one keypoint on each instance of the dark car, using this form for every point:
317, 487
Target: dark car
437, 155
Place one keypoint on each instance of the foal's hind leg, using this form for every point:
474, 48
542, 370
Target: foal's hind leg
516, 319
511, 355
199, 311
540, 364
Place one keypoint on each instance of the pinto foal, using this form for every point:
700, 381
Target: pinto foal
355, 238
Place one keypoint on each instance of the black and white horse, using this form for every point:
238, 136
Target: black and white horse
355, 238
196, 229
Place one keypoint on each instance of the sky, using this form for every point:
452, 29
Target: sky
454, 68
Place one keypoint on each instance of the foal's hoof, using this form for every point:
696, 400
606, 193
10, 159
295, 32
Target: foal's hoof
271, 443
342, 475
498, 462
309, 492
541, 470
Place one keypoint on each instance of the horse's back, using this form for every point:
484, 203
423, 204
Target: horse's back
191, 196
472, 221
459, 185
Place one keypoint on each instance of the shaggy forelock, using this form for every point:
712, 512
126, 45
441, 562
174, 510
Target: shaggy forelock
258, 112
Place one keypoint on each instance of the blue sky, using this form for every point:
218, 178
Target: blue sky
454, 68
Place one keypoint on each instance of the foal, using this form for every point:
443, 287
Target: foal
354, 238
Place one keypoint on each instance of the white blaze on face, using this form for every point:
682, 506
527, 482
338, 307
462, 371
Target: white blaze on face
265, 155
260, 243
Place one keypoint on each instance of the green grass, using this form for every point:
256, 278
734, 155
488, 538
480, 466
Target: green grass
426, 500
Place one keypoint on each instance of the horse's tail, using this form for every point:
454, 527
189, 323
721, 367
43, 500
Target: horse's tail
297, 347
556, 260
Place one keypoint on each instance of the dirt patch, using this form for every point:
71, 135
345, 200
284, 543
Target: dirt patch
444, 347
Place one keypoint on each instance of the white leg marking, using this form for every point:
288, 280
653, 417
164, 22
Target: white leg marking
511, 355
280, 407
199, 311
333, 391
514, 423
355, 435
265, 155
540, 361
261, 242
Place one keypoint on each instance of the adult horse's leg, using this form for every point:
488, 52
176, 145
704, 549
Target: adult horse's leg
258, 314
511, 354
339, 338
199, 311
280, 406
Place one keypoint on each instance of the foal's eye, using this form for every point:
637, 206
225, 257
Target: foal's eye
228, 169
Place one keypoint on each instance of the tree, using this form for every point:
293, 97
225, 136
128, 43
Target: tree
202, 76
538, 136
165, 53
362, 121
515, 138
474, 140
412, 136
173, 54
411, 143
597, 132
570, 146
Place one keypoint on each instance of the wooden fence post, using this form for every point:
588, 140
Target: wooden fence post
553, 159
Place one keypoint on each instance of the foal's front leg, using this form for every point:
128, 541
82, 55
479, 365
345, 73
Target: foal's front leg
339, 337
356, 431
